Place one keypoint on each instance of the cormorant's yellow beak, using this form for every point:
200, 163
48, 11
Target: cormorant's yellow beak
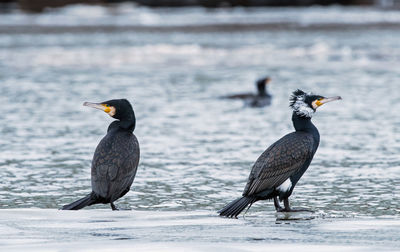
322, 101
106, 108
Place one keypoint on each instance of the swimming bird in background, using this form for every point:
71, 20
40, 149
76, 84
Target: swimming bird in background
116, 158
261, 99
277, 171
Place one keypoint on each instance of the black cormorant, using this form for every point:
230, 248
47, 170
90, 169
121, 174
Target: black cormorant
261, 99
116, 158
279, 168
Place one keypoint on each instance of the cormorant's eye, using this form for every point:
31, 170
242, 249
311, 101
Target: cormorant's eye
107, 105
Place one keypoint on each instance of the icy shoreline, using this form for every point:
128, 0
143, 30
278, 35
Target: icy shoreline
103, 230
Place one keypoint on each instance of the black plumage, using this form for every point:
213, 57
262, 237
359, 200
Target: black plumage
277, 171
261, 99
116, 158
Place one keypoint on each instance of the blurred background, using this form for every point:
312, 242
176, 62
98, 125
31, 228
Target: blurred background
41, 5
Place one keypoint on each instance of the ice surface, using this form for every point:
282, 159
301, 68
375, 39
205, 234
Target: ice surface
105, 230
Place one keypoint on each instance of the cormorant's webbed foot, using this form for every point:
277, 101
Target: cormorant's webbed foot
288, 209
113, 207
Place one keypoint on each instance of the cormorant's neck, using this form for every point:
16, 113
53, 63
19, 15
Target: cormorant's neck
303, 123
127, 122
262, 91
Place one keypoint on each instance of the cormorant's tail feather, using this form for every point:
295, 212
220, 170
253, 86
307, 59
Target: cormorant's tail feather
90, 199
233, 209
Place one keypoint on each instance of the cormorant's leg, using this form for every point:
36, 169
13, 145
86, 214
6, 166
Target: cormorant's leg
113, 207
286, 204
278, 207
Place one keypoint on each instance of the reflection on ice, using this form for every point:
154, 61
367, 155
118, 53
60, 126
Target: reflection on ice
295, 216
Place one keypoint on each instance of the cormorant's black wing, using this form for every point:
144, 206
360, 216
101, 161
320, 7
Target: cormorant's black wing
240, 96
279, 162
114, 164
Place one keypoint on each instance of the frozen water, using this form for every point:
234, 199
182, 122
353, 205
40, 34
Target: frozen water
101, 230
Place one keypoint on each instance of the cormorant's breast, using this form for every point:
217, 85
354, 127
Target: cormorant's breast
279, 162
305, 126
115, 163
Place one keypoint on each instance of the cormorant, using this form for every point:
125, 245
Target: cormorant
116, 158
261, 99
279, 168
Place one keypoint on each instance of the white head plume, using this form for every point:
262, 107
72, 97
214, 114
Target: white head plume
299, 105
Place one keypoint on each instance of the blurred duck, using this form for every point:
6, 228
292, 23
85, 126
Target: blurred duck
261, 99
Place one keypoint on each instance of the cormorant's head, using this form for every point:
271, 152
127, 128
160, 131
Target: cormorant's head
261, 83
305, 104
118, 109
